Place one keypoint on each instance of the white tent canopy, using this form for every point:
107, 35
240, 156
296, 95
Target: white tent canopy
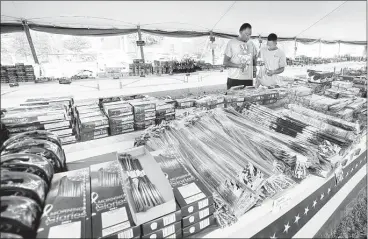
302, 19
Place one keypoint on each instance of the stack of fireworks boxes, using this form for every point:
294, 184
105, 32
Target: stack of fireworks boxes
121, 118
139, 68
4, 75
52, 114
91, 123
17, 73
12, 75
192, 196
164, 112
157, 69
211, 102
144, 113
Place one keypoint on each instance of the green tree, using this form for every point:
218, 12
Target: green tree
76, 44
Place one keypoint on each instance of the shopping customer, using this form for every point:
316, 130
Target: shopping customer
274, 61
240, 58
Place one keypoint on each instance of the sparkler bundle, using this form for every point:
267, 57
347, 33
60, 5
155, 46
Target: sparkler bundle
343, 124
228, 169
145, 194
297, 128
294, 152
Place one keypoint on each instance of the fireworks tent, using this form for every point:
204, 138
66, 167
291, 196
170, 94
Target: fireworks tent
166, 151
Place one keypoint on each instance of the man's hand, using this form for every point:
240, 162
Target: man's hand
270, 72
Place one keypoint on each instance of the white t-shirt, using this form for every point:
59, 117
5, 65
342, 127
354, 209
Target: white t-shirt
273, 60
241, 52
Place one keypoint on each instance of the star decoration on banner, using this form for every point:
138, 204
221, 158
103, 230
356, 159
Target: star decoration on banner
351, 169
314, 203
322, 196
329, 190
306, 210
274, 236
286, 228
356, 165
347, 174
297, 219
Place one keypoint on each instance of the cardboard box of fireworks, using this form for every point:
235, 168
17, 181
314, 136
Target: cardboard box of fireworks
148, 191
144, 113
194, 199
111, 214
67, 211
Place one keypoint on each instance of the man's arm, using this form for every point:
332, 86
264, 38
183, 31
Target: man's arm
227, 57
276, 72
228, 63
282, 64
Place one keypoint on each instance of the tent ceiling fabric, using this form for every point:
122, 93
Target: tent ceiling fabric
286, 18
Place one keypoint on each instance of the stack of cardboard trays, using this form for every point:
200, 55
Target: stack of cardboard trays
90, 120
52, 114
144, 113
121, 118
194, 199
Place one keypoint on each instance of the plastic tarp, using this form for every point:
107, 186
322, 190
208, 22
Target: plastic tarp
309, 22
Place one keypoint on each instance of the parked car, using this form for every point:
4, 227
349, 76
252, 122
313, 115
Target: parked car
83, 74
65, 80
14, 84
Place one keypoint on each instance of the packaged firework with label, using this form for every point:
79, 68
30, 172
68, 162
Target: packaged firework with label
68, 206
110, 209
161, 222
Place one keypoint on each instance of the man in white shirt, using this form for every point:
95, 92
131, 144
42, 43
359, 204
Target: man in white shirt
274, 63
240, 58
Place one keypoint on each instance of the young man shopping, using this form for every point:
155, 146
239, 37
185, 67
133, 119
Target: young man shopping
240, 58
274, 60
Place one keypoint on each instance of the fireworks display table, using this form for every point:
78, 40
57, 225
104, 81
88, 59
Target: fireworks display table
299, 212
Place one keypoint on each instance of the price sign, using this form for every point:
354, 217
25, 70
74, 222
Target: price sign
141, 43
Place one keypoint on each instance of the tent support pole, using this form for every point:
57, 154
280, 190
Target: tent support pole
319, 48
338, 53
140, 39
30, 42
295, 48
212, 39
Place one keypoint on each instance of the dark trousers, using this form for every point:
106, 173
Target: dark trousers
233, 82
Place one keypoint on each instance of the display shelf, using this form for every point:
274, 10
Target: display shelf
294, 209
